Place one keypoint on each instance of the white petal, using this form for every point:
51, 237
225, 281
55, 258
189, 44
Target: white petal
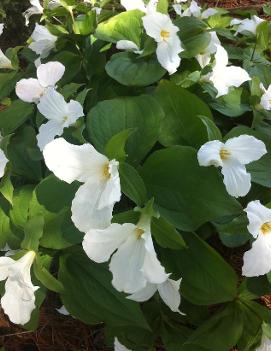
221, 56
127, 45
1, 28
236, 178
133, 5
257, 215
168, 56
265, 345
178, 9
208, 13
246, 148
53, 106
5, 262
42, 33
144, 294
169, 292
63, 310
126, 266
4, 61
152, 269
42, 47
100, 244
36, 9
75, 111
50, 73
156, 22
3, 163
74, 162
85, 212
209, 154
203, 59
47, 132
117, 345
29, 90
257, 261
266, 98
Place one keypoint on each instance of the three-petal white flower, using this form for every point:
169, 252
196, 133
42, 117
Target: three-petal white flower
42, 41
94, 201
223, 76
160, 27
257, 261
168, 290
266, 97
247, 25
18, 302
205, 57
5, 62
232, 156
134, 262
59, 113
32, 89
35, 9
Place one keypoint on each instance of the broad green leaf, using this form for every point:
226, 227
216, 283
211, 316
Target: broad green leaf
6, 188
213, 131
207, 278
124, 26
115, 147
182, 108
5, 229
166, 235
33, 231
20, 206
132, 185
186, 194
174, 337
85, 281
128, 69
14, 116
110, 117
85, 24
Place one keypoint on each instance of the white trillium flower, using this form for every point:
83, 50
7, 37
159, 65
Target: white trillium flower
205, 58
232, 156
265, 345
164, 32
18, 302
129, 46
223, 76
94, 201
134, 262
42, 41
247, 25
35, 9
59, 113
168, 290
119, 347
32, 89
257, 261
266, 97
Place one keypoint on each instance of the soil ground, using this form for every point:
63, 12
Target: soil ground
62, 333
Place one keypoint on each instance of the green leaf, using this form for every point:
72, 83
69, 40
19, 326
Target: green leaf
20, 206
7, 83
84, 280
124, 26
85, 24
128, 69
213, 131
207, 278
110, 117
132, 185
221, 332
14, 116
174, 337
115, 147
166, 235
182, 108
186, 194
33, 231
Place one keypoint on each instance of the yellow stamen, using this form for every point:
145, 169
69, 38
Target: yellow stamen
266, 228
224, 154
106, 171
65, 118
139, 232
164, 34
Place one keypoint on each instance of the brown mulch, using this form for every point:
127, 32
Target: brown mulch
231, 4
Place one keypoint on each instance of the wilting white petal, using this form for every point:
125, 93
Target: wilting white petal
152, 269
144, 294
266, 98
47, 132
209, 154
257, 215
246, 148
265, 345
74, 162
257, 261
5, 262
35, 9
100, 244
133, 5
128, 45
117, 345
5, 62
3, 163
86, 213
29, 90
126, 265
43, 41
169, 292
236, 178
50, 73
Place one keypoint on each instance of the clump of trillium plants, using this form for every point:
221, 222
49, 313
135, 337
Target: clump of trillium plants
135, 163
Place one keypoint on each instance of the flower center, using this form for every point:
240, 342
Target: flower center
266, 228
139, 232
65, 118
224, 154
106, 171
164, 34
